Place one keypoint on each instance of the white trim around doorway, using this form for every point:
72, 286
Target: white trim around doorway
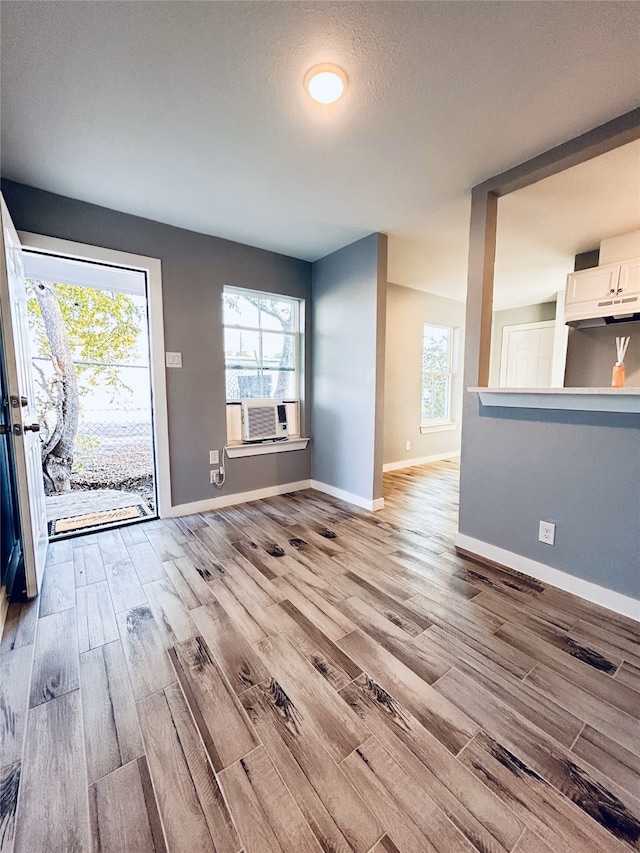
153, 269
521, 327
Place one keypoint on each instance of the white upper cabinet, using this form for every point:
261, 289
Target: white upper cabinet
629, 282
611, 290
592, 284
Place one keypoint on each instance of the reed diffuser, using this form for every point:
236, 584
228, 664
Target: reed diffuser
617, 378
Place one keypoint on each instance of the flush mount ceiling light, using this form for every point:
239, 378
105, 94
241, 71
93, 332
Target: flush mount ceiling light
325, 83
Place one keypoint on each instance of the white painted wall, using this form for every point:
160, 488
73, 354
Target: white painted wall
624, 247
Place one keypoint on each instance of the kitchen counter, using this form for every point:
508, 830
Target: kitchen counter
567, 399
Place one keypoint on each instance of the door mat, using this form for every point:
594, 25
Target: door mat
95, 519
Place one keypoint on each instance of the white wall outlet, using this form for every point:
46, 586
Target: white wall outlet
547, 533
214, 457
212, 476
407, 445
173, 359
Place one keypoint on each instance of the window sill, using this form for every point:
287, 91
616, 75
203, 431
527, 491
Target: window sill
437, 428
238, 449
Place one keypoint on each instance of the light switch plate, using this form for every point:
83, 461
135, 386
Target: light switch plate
214, 457
173, 359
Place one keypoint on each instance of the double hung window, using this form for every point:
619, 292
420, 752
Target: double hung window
437, 370
261, 345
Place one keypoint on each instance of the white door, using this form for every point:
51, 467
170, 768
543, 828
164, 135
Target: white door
527, 355
24, 421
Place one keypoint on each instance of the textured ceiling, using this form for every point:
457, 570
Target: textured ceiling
193, 113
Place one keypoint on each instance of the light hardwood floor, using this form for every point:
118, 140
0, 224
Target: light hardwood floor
297, 675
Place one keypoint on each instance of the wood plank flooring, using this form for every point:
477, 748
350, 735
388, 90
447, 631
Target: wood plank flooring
296, 675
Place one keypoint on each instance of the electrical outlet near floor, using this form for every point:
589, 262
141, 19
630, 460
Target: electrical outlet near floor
213, 476
547, 533
407, 445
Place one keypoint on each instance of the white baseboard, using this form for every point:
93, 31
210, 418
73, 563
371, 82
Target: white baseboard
372, 506
592, 592
421, 460
238, 498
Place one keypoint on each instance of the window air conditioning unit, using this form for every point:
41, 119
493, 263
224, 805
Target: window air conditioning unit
264, 420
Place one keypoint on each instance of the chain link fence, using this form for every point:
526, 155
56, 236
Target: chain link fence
115, 454
264, 384
114, 443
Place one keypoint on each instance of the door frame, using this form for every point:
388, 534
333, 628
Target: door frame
520, 327
152, 267
9, 509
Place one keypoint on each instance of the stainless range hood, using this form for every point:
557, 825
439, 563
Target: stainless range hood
591, 322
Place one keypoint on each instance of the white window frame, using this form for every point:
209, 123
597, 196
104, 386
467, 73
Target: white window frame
296, 334
448, 422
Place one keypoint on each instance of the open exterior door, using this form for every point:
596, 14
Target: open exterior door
22, 406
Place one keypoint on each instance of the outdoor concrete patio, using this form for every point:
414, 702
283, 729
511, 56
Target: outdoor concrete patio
78, 503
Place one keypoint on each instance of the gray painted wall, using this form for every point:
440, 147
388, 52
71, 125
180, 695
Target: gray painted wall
194, 269
579, 469
511, 317
407, 312
591, 354
349, 293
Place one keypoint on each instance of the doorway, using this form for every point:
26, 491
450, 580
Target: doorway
89, 342
120, 471
10, 546
527, 355
20, 421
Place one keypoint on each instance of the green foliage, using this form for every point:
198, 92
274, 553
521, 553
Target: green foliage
84, 447
436, 365
434, 397
102, 326
435, 352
